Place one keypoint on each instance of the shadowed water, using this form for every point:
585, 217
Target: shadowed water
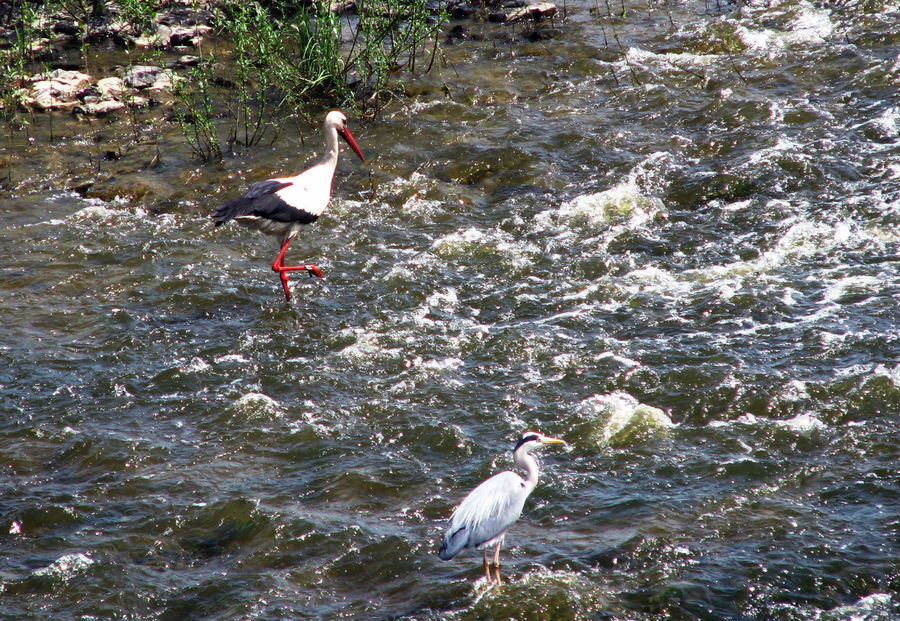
667, 235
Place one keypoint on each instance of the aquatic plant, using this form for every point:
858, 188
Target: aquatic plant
273, 58
139, 14
196, 114
14, 64
284, 56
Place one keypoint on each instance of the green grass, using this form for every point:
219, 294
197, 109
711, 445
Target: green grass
270, 60
284, 57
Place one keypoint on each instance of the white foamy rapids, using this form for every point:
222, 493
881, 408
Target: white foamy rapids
100, 212
65, 567
568, 589
806, 238
366, 347
651, 279
445, 300
623, 205
236, 359
409, 190
114, 215
853, 285
882, 229
804, 424
667, 61
421, 370
802, 240
782, 146
620, 419
96, 210
890, 373
887, 124
874, 607
808, 26
195, 365
256, 405
512, 253
794, 391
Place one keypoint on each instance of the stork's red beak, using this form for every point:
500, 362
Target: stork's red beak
348, 137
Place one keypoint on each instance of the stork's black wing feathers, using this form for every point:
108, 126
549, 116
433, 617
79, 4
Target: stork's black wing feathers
261, 200
272, 207
261, 188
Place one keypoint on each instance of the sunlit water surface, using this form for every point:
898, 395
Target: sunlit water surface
668, 235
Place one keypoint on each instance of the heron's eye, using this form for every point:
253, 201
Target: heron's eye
529, 438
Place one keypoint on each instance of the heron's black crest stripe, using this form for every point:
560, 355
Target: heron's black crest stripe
529, 438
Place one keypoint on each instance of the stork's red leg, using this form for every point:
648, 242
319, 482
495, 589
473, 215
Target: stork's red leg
278, 266
309, 267
282, 269
278, 263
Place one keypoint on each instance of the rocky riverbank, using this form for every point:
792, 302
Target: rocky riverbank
172, 37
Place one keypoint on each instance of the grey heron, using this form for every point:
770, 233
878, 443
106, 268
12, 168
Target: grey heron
483, 517
281, 207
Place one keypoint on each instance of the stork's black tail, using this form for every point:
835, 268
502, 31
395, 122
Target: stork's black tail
252, 200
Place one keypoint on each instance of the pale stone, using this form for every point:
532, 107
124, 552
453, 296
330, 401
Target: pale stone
536, 12
141, 76
100, 108
55, 90
111, 87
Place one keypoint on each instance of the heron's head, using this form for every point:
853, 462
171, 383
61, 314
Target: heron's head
531, 440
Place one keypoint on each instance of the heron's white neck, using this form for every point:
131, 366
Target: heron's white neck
524, 460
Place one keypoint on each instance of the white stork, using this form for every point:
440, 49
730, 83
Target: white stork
282, 207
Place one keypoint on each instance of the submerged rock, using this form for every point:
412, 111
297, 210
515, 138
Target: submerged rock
618, 419
187, 60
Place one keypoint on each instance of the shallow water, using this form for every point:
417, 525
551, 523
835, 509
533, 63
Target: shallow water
668, 236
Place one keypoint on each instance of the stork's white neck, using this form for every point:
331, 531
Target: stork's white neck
332, 149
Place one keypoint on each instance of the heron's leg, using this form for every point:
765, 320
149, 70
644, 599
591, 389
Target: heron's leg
497, 560
487, 567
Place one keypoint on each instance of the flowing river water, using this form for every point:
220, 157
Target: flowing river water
665, 232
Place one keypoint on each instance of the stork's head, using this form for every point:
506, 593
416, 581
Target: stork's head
336, 121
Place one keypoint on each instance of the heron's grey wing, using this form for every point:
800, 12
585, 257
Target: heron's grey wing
486, 512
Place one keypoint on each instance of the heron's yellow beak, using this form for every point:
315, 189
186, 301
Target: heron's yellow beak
546, 440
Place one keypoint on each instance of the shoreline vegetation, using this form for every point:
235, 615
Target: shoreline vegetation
232, 72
